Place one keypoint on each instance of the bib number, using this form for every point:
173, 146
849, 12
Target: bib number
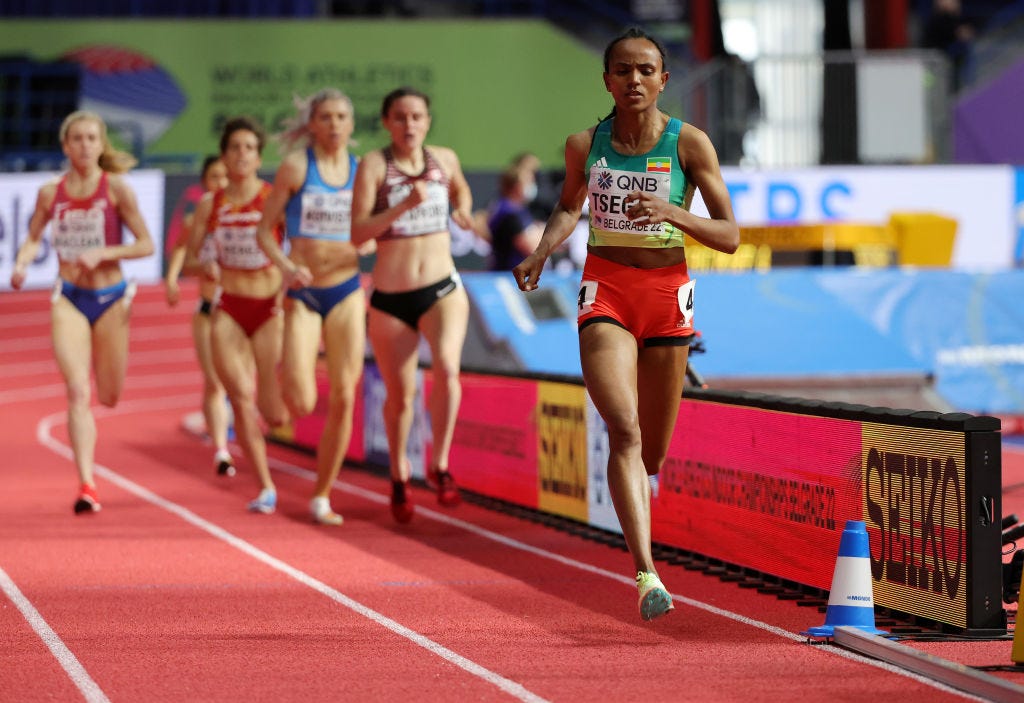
685, 297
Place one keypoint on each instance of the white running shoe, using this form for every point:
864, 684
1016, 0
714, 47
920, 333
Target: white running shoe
320, 507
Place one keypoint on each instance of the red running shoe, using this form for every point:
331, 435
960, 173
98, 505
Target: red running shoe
402, 507
88, 501
442, 482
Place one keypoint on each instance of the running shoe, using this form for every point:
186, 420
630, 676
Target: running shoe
320, 507
401, 506
225, 467
266, 502
442, 482
655, 600
88, 501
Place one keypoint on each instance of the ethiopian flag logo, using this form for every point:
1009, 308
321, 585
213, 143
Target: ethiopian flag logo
660, 165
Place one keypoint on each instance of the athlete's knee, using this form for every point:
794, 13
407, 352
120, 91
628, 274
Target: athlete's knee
341, 398
78, 393
397, 404
274, 412
446, 381
300, 402
108, 396
623, 433
653, 460
212, 388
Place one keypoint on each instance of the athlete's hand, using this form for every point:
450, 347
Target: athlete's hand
211, 271
644, 206
298, 277
417, 195
464, 219
527, 273
172, 291
90, 259
17, 277
368, 247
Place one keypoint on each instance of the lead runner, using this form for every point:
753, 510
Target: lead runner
639, 168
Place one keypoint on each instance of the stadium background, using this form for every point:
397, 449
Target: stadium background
925, 321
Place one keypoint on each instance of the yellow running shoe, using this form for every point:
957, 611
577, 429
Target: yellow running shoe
655, 600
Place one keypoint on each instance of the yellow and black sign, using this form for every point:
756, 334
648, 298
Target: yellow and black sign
562, 449
915, 497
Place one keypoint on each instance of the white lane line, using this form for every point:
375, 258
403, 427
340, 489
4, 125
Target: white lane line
76, 672
132, 382
381, 499
43, 433
48, 365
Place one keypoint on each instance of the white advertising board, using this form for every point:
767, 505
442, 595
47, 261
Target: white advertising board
980, 198
18, 192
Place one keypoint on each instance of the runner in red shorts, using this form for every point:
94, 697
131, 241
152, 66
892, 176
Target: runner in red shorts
638, 169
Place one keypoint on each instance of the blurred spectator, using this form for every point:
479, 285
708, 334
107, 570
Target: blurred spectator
948, 31
540, 206
513, 230
739, 104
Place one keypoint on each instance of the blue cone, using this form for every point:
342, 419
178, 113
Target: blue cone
850, 601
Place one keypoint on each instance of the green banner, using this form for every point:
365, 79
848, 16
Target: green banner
497, 87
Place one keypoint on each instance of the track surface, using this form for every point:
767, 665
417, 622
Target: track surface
175, 592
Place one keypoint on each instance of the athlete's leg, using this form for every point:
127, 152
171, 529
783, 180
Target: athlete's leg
608, 355
215, 411
661, 373
266, 348
233, 359
301, 347
110, 351
394, 347
444, 326
345, 346
72, 347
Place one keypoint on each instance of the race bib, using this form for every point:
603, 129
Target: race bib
685, 297
585, 299
426, 218
326, 214
237, 248
608, 189
78, 231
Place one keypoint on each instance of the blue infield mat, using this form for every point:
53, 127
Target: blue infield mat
966, 329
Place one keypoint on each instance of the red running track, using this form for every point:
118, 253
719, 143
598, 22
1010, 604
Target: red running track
175, 593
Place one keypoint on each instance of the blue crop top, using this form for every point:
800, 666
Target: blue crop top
319, 210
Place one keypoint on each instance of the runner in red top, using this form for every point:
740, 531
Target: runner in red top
247, 324
215, 410
88, 209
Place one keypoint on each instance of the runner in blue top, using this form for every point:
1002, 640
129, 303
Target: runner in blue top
638, 168
313, 192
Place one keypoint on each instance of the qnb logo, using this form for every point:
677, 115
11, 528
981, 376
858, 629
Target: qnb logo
604, 180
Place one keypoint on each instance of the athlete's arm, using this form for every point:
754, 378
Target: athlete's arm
459, 193
196, 234
289, 178
700, 161
29, 249
565, 214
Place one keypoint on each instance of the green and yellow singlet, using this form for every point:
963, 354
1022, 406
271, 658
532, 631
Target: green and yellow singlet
613, 176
